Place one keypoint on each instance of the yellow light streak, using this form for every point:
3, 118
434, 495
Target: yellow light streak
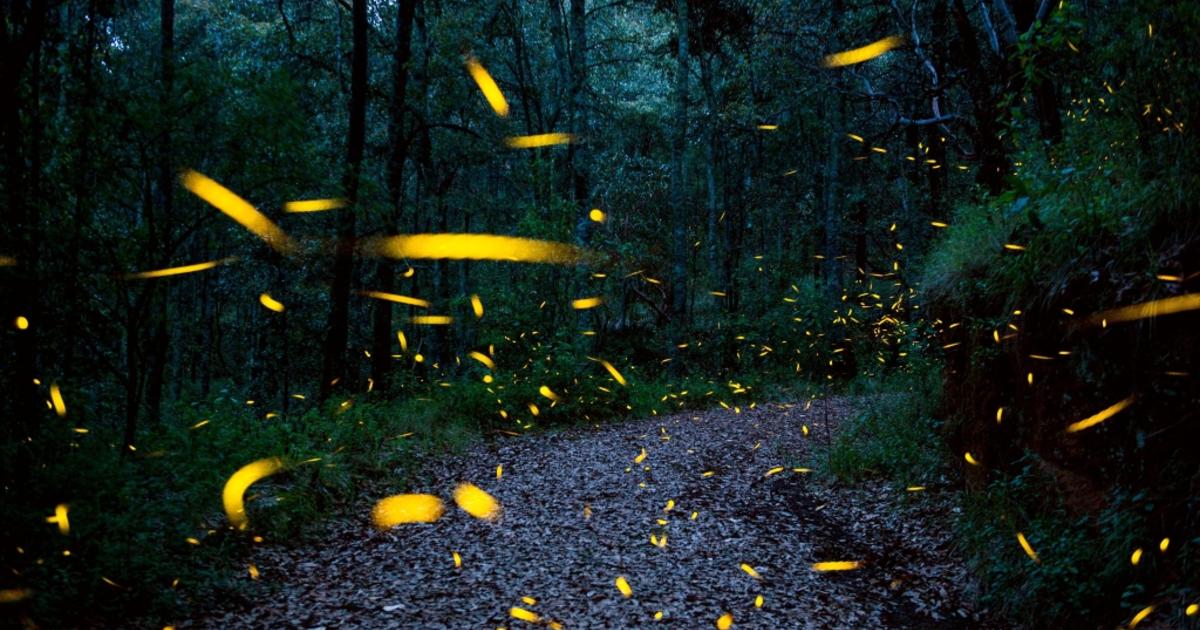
398, 299
235, 487
178, 271
1027, 547
60, 407
474, 501
237, 209
1103, 415
836, 565
473, 247
623, 586
1154, 308
432, 320
864, 53
60, 518
271, 303
406, 508
10, 595
538, 140
482, 358
488, 86
313, 205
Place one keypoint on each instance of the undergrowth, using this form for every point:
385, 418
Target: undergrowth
1081, 558
894, 433
148, 535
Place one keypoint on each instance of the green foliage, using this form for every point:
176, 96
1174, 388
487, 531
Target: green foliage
1100, 216
894, 433
1083, 557
131, 517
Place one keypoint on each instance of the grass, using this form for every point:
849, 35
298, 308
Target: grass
893, 434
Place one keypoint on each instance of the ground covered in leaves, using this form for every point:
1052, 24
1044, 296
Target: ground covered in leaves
578, 512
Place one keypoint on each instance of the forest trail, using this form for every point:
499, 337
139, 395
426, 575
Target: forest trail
545, 547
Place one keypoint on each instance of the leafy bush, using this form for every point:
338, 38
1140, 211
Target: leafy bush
147, 530
1105, 218
1081, 557
895, 433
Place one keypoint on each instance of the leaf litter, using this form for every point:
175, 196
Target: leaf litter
574, 519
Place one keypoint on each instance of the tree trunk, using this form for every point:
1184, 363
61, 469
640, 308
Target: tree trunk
333, 368
580, 177
158, 364
832, 201
21, 227
1045, 96
164, 194
679, 212
993, 160
832, 198
710, 164
381, 333
133, 378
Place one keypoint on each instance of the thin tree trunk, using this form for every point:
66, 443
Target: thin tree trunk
580, 175
993, 160
989, 27
679, 212
710, 166
22, 225
832, 199
381, 333
1045, 97
164, 200
333, 370
133, 378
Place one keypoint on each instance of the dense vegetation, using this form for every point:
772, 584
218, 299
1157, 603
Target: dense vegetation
934, 227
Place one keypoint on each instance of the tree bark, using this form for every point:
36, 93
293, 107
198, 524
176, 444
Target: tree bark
1045, 97
993, 159
580, 176
381, 333
164, 194
832, 197
333, 369
22, 224
710, 164
679, 218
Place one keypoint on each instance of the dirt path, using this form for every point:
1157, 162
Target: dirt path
546, 548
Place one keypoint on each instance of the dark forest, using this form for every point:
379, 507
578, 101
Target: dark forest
599, 313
